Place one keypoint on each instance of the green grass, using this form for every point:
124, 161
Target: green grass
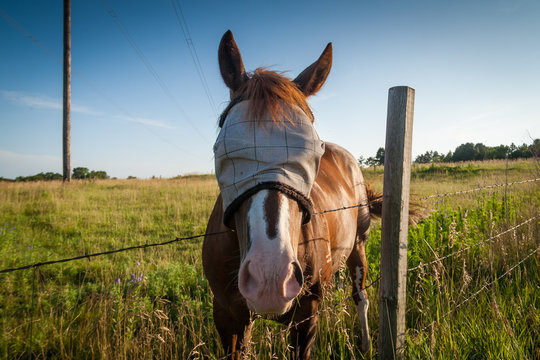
156, 303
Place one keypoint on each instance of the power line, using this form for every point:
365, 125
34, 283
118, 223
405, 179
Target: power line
125, 32
17, 26
191, 46
27, 34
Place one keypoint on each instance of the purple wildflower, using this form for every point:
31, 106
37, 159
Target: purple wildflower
138, 263
118, 281
13, 228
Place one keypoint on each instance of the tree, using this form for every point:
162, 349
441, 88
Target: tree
498, 152
448, 157
464, 152
534, 148
429, 157
481, 151
81, 173
371, 161
425, 158
100, 174
40, 177
379, 157
522, 151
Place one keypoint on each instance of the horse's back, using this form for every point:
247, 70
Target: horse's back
340, 184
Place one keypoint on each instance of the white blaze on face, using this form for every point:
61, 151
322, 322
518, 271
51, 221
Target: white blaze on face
267, 277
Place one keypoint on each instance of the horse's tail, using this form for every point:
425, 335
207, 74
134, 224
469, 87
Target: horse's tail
375, 201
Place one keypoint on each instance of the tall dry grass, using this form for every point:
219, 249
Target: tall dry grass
156, 303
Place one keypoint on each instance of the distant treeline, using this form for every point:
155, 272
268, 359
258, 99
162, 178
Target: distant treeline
78, 173
466, 152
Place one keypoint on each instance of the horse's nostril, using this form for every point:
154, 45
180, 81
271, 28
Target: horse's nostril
298, 273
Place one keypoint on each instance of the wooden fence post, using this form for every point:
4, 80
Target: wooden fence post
395, 217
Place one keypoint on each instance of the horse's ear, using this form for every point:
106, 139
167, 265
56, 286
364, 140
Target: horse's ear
230, 62
313, 77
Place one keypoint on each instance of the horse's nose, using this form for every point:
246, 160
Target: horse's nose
298, 274
293, 281
270, 288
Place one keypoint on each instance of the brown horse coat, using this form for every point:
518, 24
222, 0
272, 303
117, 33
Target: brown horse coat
269, 261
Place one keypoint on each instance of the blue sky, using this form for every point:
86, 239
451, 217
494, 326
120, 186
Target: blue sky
475, 66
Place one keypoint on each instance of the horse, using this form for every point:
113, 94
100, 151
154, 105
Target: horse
272, 254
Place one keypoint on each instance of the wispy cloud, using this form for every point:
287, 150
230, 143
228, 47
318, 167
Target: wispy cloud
321, 98
36, 102
44, 102
47, 103
143, 121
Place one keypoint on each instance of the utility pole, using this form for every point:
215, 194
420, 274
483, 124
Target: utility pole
66, 133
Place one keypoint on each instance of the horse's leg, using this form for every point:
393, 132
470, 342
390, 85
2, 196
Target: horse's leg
304, 327
233, 331
357, 264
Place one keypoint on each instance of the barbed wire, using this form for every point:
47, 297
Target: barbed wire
481, 289
472, 245
341, 209
320, 311
474, 190
144, 246
88, 256
328, 307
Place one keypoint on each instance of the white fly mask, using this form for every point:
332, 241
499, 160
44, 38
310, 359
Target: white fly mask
254, 155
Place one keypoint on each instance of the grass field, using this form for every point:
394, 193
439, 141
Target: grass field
155, 303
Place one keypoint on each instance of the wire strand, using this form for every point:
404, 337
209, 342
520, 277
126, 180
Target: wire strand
474, 190
481, 289
88, 256
125, 32
193, 52
472, 245
79, 76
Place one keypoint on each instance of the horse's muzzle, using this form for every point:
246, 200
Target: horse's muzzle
270, 289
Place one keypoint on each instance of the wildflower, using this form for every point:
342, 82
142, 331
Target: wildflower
138, 263
118, 281
13, 228
30, 247
0, 232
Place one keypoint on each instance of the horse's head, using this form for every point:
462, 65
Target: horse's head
267, 158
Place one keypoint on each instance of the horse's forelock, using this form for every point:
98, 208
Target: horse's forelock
272, 93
